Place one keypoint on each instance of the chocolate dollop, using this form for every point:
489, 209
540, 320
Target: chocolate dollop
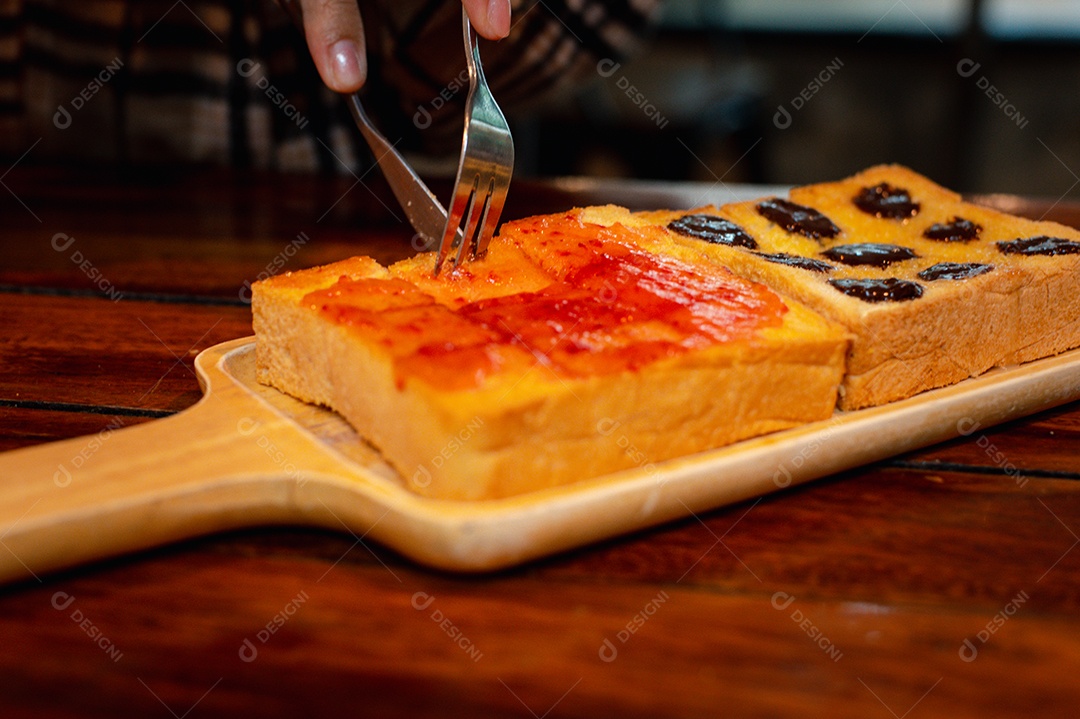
954, 271
713, 229
956, 230
889, 289
884, 200
797, 218
1041, 245
869, 253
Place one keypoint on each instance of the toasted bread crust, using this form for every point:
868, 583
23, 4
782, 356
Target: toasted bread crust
1021, 309
530, 425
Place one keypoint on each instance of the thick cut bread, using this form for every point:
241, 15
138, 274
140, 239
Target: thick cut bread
574, 349
933, 289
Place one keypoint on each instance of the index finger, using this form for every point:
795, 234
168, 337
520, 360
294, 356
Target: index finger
335, 37
491, 18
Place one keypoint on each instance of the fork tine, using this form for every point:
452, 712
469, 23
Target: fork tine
452, 240
468, 228
493, 208
484, 169
477, 222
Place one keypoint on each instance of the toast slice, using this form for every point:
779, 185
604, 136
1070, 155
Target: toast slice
933, 289
576, 348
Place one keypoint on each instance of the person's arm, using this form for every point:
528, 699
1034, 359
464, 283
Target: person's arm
335, 36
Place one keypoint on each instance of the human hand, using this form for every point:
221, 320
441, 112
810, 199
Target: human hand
335, 36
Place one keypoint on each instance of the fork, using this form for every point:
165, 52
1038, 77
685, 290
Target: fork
425, 213
484, 171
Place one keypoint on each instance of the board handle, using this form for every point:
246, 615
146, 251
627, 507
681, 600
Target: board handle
226, 462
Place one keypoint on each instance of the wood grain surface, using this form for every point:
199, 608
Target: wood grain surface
944, 583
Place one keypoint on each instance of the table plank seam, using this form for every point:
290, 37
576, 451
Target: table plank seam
931, 465
124, 295
85, 408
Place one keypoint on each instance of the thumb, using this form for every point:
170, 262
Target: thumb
335, 37
491, 18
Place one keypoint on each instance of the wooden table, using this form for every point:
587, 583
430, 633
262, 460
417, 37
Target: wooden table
941, 583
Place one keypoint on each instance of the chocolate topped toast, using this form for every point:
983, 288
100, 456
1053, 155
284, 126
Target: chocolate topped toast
934, 289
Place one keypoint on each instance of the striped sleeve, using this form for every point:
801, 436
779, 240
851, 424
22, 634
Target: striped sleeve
230, 82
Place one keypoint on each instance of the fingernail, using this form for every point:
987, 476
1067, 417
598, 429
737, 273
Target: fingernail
498, 16
349, 66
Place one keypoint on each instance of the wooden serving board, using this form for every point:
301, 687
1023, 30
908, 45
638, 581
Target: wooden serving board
248, 455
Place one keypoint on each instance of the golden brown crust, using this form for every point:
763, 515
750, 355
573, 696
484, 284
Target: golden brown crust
530, 428
1020, 310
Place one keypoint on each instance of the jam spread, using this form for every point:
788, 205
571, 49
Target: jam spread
884, 200
954, 271
713, 229
889, 289
803, 263
609, 308
869, 253
956, 230
799, 219
1041, 245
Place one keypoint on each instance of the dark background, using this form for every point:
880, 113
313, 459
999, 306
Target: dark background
714, 75
764, 91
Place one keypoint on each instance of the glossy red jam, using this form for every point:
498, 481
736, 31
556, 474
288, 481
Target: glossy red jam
609, 308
